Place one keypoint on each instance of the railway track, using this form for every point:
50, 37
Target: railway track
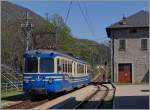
94, 97
26, 104
97, 99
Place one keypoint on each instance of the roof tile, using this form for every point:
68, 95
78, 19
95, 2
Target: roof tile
139, 19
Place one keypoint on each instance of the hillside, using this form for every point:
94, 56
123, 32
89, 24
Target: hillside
13, 41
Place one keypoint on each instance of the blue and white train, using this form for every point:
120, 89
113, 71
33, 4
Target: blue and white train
48, 71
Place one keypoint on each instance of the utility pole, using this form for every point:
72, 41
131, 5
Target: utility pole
91, 55
27, 29
56, 37
46, 16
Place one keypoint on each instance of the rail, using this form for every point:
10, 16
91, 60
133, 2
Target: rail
83, 103
113, 86
87, 98
108, 82
103, 97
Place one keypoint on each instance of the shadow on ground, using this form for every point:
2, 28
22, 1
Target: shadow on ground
70, 103
18, 97
131, 102
23, 96
120, 102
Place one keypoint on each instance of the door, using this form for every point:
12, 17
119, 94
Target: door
125, 73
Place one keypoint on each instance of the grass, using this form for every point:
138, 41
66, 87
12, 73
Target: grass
10, 93
8, 98
12, 96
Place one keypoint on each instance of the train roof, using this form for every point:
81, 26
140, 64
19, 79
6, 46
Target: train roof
56, 53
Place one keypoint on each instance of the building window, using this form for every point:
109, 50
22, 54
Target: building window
143, 44
122, 44
133, 31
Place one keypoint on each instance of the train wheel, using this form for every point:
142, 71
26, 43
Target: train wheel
51, 95
37, 97
34, 97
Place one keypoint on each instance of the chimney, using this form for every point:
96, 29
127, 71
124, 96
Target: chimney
124, 20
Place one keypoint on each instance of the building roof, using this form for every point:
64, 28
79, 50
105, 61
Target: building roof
139, 19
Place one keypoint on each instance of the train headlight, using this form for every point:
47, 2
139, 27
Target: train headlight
26, 81
50, 80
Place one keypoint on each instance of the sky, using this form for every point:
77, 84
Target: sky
99, 14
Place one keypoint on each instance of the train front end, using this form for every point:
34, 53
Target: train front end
39, 73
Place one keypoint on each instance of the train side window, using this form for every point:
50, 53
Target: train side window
63, 65
77, 68
80, 68
58, 61
66, 66
70, 67
58, 65
74, 68
84, 69
88, 69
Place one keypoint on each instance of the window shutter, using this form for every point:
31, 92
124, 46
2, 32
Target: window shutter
122, 44
143, 43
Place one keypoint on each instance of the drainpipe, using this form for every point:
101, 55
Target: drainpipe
112, 56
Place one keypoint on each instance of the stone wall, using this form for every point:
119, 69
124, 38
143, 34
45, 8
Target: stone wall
133, 54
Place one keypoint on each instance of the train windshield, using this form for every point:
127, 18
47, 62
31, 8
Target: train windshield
31, 65
46, 65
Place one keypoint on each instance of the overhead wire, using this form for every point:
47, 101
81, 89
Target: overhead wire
68, 12
86, 20
85, 16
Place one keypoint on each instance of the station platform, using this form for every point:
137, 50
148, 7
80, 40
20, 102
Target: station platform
131, 97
